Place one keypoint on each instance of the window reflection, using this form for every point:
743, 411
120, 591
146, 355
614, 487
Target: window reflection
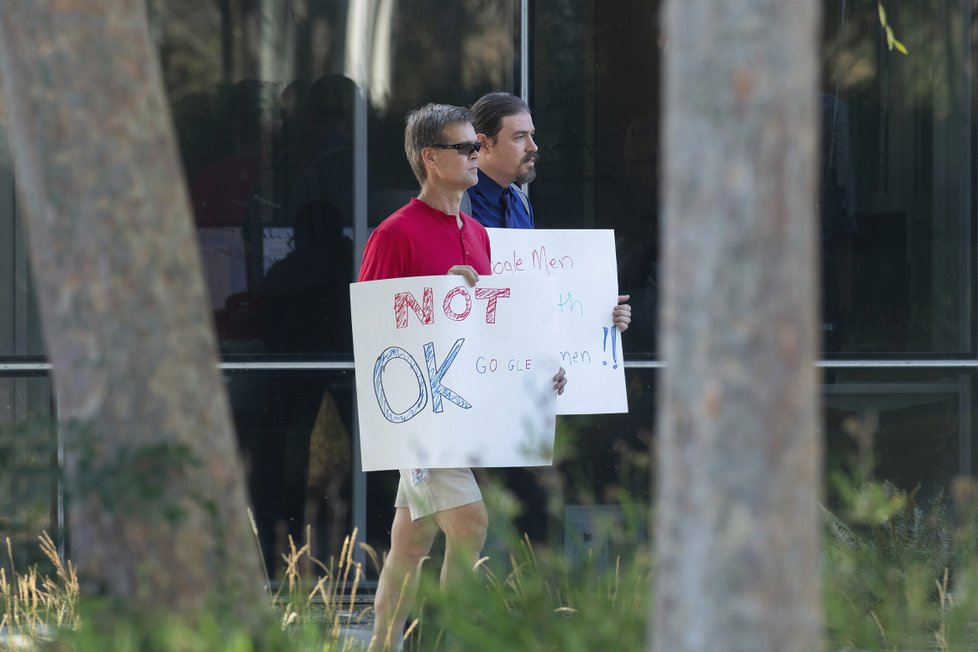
595, 101
274, 213
920, 428
267, 102
28, 466
296, 436
20, 324
895, 196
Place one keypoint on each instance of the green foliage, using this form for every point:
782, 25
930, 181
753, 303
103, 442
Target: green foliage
46, 613
899, 574
542, 603
27, 473
891, 40
104, 629
541, 599
137, 480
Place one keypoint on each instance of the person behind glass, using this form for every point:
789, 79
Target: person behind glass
507, 160
431, 236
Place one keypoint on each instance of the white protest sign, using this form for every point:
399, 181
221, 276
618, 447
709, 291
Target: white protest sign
584, 266
222, 252
449, 375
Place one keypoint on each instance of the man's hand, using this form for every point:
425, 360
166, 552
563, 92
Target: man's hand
469, 273
622, 314
560, 380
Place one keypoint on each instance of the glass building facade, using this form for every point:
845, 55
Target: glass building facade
290, 116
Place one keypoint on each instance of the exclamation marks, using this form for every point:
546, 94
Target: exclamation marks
614, 346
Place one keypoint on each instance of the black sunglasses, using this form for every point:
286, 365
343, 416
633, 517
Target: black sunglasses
465, 149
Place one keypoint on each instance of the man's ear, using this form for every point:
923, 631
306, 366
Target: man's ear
484, 139
428, 154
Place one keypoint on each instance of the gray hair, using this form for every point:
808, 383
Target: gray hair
425, 127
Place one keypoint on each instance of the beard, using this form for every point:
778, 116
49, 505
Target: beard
530, 174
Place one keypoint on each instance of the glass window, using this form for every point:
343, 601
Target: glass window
896, 187
20, 326
290, 119
296, 431
29, 495
595, 98
918, 425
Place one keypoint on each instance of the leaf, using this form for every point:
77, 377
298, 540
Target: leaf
891, 40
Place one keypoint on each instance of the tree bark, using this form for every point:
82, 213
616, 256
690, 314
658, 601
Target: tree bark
157, 498
739, 452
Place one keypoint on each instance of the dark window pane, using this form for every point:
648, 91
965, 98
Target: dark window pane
595, 101
918, 425
276, 111
20, 325
895, 197
296, 431
28, 466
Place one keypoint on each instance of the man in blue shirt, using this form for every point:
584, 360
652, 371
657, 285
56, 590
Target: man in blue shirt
504, 126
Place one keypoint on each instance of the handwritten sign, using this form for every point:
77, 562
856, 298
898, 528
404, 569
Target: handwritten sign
222, 251
277, 243
583, 264
449, 375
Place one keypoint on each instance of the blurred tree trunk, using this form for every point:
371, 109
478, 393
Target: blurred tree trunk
739, 452
157, 498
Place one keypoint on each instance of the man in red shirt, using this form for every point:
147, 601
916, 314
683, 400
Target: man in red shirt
431, 236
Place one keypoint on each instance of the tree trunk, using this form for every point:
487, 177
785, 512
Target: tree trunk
157, 497
739, 452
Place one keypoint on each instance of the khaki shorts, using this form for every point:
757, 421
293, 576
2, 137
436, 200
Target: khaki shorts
427, 491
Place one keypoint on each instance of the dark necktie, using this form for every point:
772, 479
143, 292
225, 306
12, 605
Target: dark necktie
509, 216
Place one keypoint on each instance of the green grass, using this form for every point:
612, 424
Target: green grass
898, 574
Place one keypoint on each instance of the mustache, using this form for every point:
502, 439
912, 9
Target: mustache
532, 156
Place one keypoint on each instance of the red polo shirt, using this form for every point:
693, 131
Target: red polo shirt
418, 240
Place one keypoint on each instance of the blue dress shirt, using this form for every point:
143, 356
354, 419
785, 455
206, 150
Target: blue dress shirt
495, 206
